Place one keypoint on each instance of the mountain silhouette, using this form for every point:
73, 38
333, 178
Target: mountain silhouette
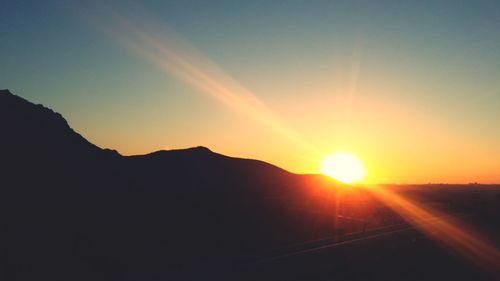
74, 211
71, 210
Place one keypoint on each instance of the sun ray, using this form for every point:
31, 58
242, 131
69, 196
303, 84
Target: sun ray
175, 56
454, 234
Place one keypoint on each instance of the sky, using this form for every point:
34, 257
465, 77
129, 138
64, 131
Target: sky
410, 87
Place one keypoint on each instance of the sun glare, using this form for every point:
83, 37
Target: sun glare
343, 166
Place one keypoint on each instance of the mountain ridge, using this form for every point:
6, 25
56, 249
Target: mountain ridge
10, 100
75, 211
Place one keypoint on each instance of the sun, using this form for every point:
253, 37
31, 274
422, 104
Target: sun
343, 166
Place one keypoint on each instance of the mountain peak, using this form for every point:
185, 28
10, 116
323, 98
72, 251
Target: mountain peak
197, 150
14, 104
7, 96
200, 149
5, 92
36, 128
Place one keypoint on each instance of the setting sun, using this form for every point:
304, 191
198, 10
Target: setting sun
343, 166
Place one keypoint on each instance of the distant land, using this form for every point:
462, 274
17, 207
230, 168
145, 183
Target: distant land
74, 211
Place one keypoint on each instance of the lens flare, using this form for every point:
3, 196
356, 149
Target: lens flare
175, 56
451, 233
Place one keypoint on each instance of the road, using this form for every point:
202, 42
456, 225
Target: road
396, 252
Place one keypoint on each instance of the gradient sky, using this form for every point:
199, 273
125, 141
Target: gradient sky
411, 87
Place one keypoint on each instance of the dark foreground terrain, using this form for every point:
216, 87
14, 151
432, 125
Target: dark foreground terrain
73, 211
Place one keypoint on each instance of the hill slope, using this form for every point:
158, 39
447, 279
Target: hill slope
74, 211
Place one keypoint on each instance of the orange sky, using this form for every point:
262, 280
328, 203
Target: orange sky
416, 101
